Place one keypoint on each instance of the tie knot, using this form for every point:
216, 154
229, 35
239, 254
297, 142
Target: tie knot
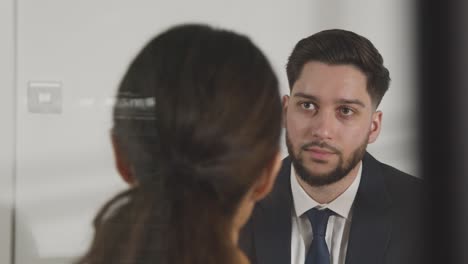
319, 220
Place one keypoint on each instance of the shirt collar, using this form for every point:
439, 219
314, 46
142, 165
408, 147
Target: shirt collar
341, 205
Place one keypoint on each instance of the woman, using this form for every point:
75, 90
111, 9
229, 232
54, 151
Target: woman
196, 131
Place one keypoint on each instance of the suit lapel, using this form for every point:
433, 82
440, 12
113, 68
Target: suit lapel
272, 221
371, 222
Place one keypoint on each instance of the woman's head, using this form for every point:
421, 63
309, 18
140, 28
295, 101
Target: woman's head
197, 124
199, 103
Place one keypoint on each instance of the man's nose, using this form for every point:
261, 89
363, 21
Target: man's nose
324, 125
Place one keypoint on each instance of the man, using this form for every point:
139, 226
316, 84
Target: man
333, 203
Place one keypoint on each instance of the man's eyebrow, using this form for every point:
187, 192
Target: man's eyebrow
352, 101
340, 101
307, 96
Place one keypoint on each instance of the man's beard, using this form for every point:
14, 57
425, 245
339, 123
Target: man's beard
339, 172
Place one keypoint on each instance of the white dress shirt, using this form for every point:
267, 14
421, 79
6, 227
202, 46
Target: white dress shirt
338, 227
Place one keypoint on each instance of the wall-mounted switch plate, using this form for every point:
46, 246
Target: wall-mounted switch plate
45, 97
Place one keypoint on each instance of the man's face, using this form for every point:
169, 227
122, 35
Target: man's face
329, 119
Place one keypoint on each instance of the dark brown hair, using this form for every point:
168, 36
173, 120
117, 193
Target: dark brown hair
337, 47
198, 116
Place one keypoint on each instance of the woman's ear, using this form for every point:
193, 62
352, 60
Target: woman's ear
263, 186
285, 103
121, 162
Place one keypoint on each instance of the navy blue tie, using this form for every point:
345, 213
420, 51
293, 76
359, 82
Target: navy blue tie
318, 251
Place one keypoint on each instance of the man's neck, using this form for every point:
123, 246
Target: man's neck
327, 193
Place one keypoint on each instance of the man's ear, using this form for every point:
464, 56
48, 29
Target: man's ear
375, 127
121, 162
263, 186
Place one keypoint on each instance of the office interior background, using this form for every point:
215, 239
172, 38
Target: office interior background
61, 62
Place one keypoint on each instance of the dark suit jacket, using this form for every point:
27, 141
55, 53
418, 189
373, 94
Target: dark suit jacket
385, 227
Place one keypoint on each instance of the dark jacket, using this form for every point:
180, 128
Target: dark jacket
385, 227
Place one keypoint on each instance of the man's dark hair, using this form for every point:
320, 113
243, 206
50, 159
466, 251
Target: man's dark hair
341, 47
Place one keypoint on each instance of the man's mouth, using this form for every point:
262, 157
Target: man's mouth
319, 153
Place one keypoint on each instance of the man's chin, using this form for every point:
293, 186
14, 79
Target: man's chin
320, 169
322, 176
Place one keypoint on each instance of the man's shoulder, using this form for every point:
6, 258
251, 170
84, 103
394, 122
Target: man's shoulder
401, 185
405, 212
395, 175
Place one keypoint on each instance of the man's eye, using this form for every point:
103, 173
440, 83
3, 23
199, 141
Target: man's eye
346, 111
307, 106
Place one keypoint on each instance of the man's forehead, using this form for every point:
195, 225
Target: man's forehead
331, 82
328, 93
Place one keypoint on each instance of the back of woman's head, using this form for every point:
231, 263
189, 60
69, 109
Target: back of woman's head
198, 119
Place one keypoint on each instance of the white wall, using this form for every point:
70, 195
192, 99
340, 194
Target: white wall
7, 127
63, 165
